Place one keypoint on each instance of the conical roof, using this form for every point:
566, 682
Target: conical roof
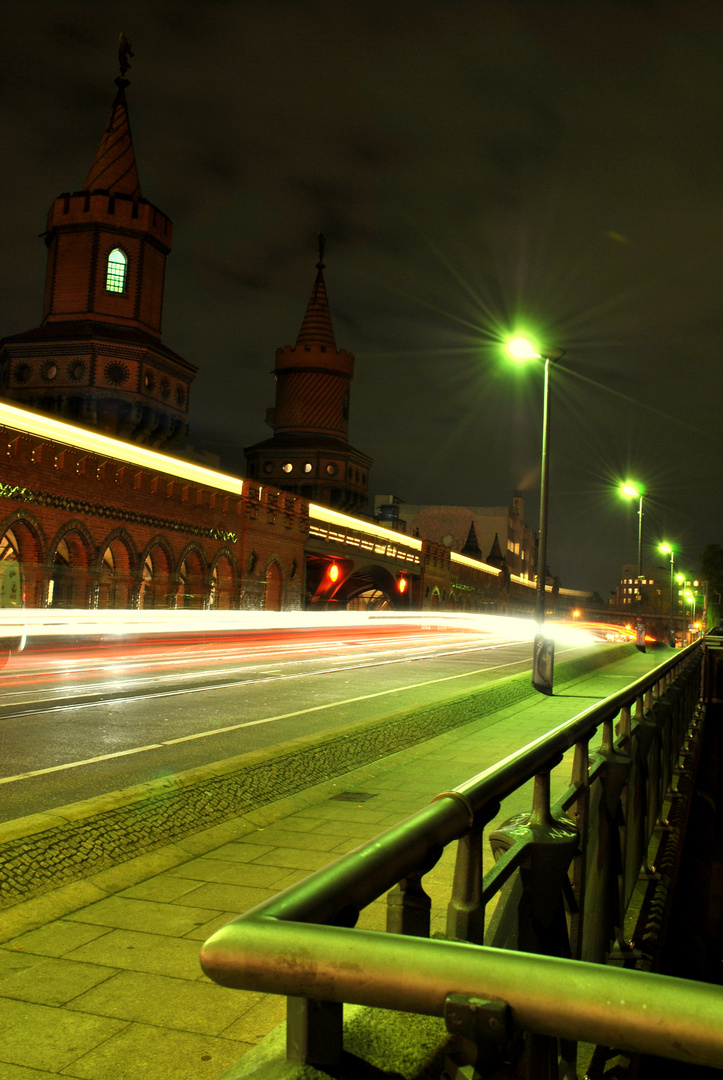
316, 329
114, 165
471, 546
495, 555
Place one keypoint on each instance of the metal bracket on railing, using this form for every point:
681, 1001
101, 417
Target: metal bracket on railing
486, 1036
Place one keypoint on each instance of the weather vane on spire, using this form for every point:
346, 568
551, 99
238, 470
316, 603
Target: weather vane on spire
322, 245
125, 49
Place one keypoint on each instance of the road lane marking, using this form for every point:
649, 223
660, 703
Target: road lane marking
248, 723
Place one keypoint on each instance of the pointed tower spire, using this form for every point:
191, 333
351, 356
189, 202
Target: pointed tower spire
471, 545
316, 329
114, 166
495, 557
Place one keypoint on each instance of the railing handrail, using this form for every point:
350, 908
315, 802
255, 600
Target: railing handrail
279, 947
359, 877
632, 1010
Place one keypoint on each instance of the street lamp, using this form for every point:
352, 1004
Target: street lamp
631, 492
543, 654
667, 550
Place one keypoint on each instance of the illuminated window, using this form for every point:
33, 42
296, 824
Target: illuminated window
307, 467
115, 278
287, 467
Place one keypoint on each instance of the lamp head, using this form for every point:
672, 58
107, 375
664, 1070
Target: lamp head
666, 549
521, 349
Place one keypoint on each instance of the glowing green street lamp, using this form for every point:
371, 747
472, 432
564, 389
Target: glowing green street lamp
543, 650
667, 550
632, 491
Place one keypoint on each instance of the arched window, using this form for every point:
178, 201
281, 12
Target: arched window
115, 278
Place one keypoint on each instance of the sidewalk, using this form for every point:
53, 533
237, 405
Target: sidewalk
111, 989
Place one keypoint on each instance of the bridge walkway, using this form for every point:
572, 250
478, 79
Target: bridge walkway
101, 979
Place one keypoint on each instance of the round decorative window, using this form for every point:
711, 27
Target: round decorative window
287, 467
165, 387
23, 373
268, 467
308, 467
149, 381
76, 370
116, 373
49, 370
180, 396
331, 469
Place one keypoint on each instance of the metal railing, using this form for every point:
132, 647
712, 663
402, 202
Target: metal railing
527, 983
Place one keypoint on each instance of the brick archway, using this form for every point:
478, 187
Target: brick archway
192, 588
223, 582
155, 575
114, 584
70, 557
21, 539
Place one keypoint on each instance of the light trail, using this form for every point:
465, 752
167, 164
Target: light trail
241, 683
248, 723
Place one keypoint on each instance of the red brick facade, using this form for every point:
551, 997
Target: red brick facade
97, 531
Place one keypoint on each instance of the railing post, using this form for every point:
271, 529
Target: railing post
466, 909
314, 1031
408, 908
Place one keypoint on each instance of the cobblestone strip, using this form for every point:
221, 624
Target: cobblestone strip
42, 861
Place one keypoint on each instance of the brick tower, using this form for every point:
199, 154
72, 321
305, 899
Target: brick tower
309, 453
97, 357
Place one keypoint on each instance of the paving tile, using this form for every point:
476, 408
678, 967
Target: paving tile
294, 859
20, 1072
298, 823
201, 1007
346, 828
238, 898
283, 837
163, 889
54, 939
155, 953
124, 913
201, 933
338, 811
259, 1020
241, 852
142, 1051
230, 873
58, 1036
13, 961
54, 981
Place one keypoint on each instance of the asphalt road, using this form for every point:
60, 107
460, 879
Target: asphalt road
76, 722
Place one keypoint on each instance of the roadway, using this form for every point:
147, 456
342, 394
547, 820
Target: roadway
83, 720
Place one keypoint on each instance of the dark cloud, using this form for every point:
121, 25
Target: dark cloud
475, 167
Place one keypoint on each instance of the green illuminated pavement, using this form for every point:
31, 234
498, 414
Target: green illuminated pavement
100, 979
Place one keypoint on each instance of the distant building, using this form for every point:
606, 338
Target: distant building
496, 532
309, 453
652, 589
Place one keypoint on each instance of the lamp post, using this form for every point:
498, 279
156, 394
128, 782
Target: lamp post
632, 492
667, 550
543, 654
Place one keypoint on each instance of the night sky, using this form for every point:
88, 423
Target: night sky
477, 169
